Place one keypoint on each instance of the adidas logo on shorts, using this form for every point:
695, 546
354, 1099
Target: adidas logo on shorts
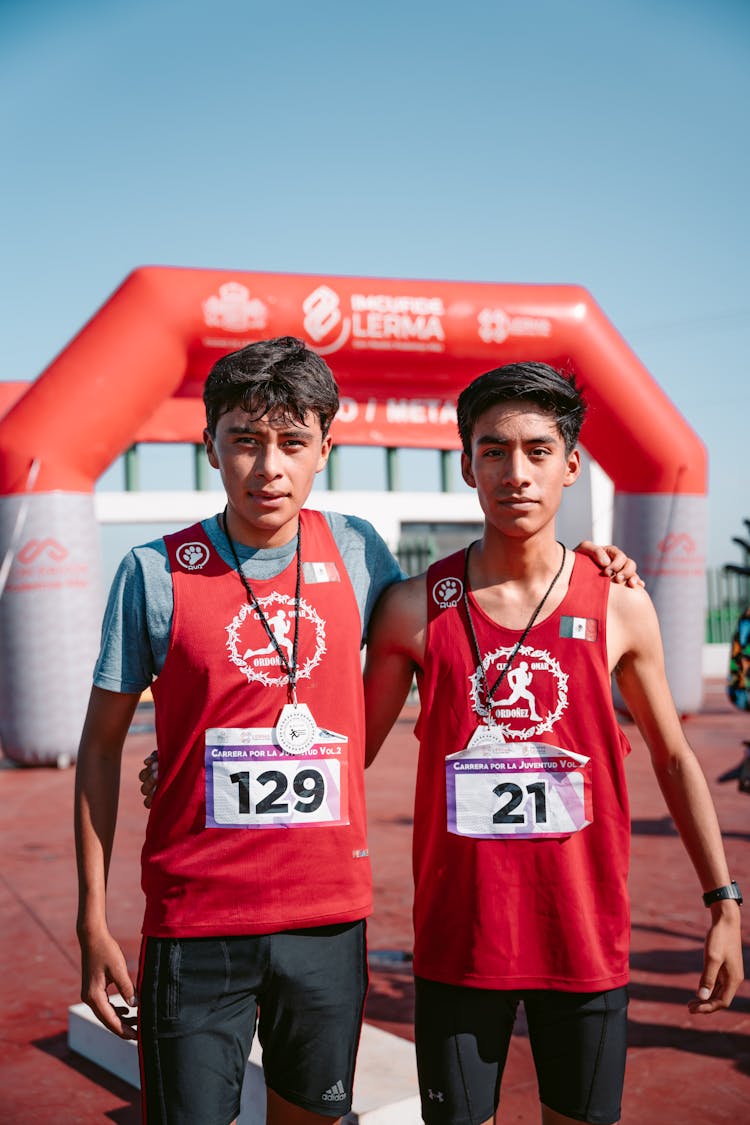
336, 1093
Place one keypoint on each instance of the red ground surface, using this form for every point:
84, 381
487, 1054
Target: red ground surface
681, 1068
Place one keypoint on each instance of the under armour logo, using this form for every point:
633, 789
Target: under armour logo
436, 1095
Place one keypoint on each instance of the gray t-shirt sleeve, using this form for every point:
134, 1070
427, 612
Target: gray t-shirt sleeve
137, 621
369, 563
138, 616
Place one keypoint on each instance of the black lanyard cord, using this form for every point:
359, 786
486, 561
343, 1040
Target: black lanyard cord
490, 691
290, 669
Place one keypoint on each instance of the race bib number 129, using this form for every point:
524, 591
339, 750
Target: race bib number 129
258, 785
525, 790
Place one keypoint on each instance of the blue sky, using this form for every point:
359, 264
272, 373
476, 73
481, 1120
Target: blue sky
594, 142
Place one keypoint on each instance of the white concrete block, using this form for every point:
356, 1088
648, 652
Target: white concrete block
88, 1037
385, 1085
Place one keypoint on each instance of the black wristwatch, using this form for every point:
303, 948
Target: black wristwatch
732, 891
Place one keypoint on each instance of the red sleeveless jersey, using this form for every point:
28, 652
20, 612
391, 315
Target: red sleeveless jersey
549, 910
244, 838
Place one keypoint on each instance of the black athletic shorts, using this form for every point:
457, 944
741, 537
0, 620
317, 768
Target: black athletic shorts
578, 1040
199, 999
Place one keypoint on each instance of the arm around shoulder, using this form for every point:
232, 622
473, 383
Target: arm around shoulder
395, 649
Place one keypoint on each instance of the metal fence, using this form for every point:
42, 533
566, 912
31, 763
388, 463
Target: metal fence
727, 596
416, 554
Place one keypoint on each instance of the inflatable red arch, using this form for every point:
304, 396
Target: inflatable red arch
401, 350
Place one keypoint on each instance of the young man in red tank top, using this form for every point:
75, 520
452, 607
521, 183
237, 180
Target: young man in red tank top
521, 826
255, 865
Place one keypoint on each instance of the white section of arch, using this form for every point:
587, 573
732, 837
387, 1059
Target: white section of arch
586, 510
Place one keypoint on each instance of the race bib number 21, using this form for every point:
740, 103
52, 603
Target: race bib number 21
526, 790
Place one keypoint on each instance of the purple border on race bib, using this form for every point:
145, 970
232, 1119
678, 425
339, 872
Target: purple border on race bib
568, 777
328, 762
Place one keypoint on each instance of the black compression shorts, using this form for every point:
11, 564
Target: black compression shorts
578, 1040
199, 999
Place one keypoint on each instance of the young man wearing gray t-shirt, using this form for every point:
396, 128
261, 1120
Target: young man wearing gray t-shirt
255, 866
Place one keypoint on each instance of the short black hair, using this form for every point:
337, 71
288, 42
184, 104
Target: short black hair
551, 391
280, 376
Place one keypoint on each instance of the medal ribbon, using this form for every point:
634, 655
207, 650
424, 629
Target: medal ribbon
290, 669
490, 691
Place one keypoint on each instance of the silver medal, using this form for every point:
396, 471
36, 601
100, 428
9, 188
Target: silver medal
296, 729
486, 736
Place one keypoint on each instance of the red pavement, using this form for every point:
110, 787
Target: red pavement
681, 1068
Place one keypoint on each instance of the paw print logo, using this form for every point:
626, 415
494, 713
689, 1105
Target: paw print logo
192, 556
447, 592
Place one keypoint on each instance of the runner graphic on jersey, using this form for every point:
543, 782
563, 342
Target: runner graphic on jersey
280, 626
527, 712
519, 681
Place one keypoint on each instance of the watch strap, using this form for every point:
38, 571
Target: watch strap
720, 893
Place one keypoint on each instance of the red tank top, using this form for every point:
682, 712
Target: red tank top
505, 912
244, 838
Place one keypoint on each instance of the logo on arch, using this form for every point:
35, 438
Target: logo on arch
494, 326
677, 543
677, 555
49, 549
45, 563
193, 556
234, 310
324, 322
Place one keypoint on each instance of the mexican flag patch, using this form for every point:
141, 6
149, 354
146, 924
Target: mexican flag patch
579, 628
320, 572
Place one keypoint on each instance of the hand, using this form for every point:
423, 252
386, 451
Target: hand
102, 964
722, 963
149, 777
614, 562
